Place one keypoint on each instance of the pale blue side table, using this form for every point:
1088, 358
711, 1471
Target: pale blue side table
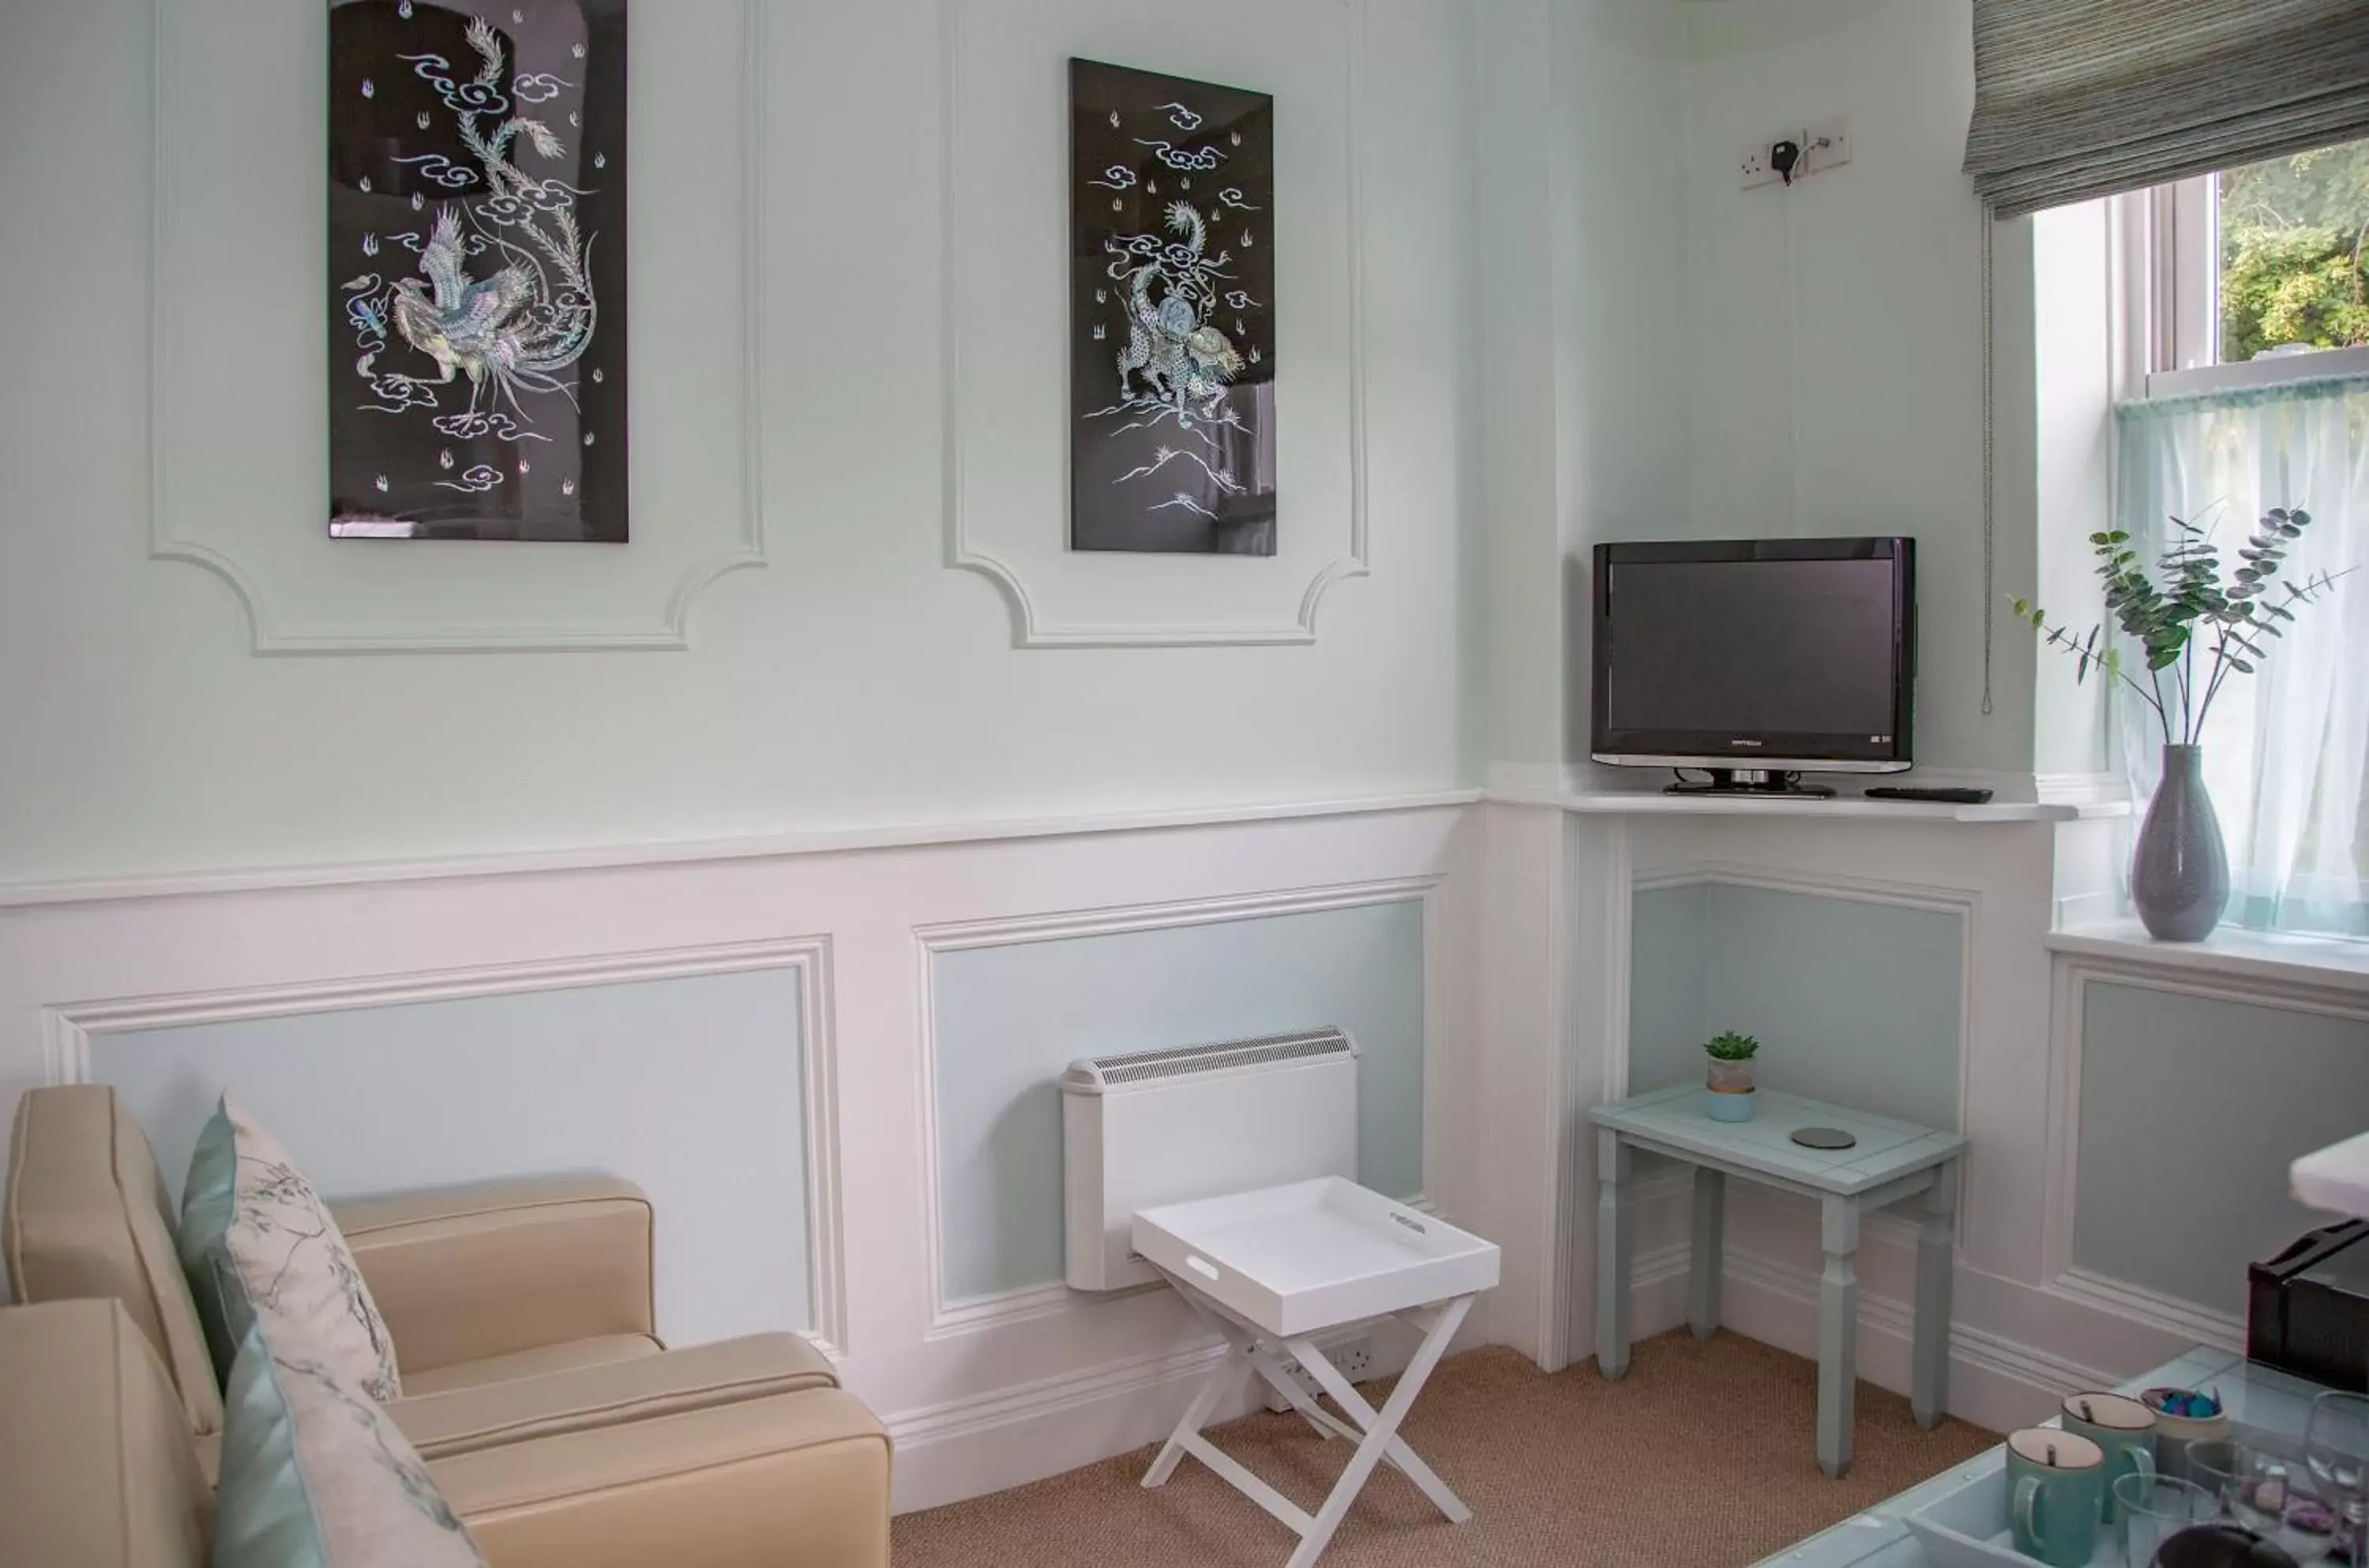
1891, 1161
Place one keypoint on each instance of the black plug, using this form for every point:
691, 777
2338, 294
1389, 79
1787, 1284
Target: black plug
1784, 157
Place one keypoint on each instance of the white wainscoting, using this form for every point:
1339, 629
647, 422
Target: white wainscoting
529, 1069
1020, 1395
2206, 1129
957, 1312
1559, 904
1526, 939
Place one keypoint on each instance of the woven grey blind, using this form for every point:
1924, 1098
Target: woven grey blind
2080, 99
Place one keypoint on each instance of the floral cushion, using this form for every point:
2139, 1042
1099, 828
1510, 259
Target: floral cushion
259, 1243
315, 1475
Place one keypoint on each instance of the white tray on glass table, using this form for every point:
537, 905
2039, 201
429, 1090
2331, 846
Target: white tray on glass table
1967, 1526
1311, 1255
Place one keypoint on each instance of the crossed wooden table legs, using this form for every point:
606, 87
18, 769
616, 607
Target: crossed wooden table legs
1374, 1432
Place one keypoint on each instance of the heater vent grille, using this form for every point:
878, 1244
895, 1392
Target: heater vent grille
1137, 1066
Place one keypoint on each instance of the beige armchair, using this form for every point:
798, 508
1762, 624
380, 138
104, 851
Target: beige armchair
558, 1426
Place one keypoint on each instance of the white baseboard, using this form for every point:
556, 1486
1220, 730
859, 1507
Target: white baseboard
2225, 1331
1994, 1382
986, 1443
969, 1447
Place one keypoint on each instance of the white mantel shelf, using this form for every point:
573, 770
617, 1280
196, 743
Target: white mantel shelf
2318, 963
1841, 808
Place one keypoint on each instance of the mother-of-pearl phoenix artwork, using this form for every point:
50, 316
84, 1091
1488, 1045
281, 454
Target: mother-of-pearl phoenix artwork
478, 270
1171, 280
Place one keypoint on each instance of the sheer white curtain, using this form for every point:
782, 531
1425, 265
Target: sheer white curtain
2287, 749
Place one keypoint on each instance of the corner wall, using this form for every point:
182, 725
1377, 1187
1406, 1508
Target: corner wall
1834, 327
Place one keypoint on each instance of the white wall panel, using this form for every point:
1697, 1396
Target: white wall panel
691, 1088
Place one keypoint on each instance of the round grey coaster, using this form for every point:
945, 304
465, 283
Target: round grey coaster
1824, 1137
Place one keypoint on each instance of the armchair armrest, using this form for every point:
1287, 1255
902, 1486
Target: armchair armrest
505, 1267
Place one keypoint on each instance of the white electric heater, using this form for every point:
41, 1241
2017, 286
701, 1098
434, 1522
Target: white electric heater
1158, 1127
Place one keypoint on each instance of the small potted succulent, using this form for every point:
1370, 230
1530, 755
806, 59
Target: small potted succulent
1730, 1079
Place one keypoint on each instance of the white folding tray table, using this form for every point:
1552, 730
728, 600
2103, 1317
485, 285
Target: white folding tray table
1268, 1269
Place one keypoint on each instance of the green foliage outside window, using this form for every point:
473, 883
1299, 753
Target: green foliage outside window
2295, 252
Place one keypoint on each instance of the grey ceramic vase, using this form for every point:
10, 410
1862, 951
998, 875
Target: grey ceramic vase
2180, 871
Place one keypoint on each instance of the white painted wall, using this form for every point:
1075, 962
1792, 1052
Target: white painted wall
855, 680
1624, 442
1583, 310
1520, 610
1834, 341
1725, 363
2077, 371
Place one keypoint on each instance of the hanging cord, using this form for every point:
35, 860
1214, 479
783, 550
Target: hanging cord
1990, 520
1792, 356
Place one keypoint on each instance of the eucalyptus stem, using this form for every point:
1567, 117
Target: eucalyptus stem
2169, 614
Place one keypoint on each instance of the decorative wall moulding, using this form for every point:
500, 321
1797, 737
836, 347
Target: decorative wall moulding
2157, 967
951, 1318
1007, 310
239, 479
67, 1031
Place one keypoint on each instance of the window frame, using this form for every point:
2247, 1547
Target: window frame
2176, 277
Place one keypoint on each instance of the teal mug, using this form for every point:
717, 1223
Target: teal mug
2121, 1426
2055, 1496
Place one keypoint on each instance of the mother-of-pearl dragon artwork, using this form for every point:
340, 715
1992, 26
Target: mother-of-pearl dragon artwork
485, 338
1173, 285
532, 315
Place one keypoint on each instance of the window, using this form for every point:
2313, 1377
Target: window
2249, 292
2261, 270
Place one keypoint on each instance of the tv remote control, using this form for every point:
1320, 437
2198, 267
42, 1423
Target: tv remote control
1939, 794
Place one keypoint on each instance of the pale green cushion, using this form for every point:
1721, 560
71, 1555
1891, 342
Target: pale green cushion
208, 1200
261, 1245
315, 1475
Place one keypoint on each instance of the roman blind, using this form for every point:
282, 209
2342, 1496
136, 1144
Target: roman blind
2081, 99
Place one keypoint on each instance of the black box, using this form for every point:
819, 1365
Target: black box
2308, 1308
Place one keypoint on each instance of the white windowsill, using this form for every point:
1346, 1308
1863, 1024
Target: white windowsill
2275, 371
2324, 962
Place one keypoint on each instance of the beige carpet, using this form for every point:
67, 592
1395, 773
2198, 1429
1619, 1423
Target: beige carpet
1699, 1458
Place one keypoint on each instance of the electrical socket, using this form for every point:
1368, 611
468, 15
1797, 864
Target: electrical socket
1827, 145
1352, 1358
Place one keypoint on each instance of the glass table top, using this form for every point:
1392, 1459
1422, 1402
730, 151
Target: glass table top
2253, 1395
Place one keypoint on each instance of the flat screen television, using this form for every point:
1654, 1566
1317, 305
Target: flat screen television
1756, 659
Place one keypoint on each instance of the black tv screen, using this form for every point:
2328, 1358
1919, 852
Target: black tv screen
1787, 654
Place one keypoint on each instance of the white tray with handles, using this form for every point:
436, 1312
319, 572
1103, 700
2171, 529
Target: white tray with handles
1310, 1255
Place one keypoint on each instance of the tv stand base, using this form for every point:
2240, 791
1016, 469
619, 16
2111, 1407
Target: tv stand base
1749, 781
